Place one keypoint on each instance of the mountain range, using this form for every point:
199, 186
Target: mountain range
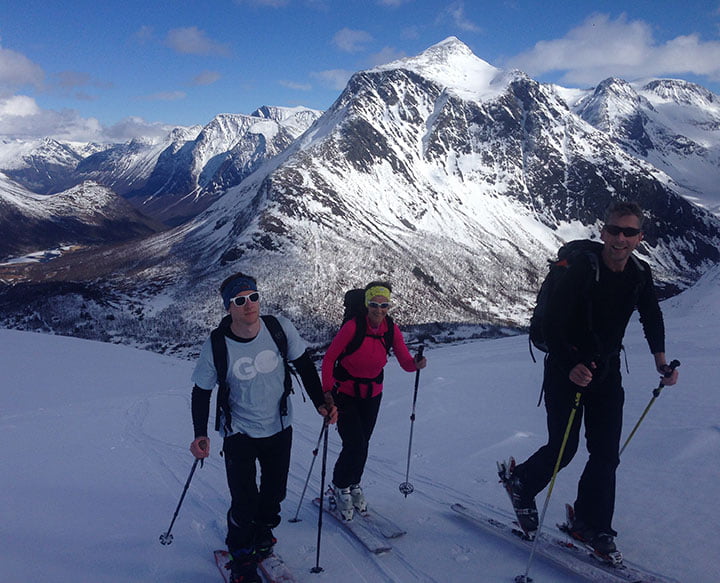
170, 179
452, 178
86, 214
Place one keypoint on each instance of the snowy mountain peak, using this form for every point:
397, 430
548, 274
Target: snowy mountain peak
613, 102
281, 114
452, 65
182, 134
682, 92
618, 89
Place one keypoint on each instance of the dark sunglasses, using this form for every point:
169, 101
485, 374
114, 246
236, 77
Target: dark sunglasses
383, 305
240, 300
614, 230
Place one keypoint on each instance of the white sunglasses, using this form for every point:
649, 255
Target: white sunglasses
240, 300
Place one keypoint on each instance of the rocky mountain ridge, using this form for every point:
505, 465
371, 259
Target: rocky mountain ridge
453, 179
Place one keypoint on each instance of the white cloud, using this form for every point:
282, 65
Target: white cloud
165, 96
72, 79
19, 106
333, 78
410, 32
134, 127
144, 34
386, 55
20, 117
456, 13
296, 86
352, 41
193, 41
16, 70
206, 78
601, 48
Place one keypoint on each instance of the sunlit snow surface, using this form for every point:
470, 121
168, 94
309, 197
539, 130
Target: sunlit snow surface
95, 456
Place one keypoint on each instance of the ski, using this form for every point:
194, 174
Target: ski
361, 527
559, 551
273, 568
374, 519
385, 526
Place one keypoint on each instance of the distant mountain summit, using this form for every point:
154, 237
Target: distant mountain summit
453, 179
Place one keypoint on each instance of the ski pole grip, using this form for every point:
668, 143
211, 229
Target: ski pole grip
672, 366
419, 354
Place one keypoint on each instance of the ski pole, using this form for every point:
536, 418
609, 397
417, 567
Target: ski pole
317, 568
406, 487
524, 578
315, 452
166, 538
656, 393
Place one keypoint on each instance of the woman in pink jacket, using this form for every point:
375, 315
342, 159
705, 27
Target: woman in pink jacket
356, 380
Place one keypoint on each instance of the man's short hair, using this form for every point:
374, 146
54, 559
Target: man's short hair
624, 208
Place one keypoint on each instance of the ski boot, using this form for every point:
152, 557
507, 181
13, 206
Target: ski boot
343, 502
601, 543
264, 542
243, 567
523, 504
358, 498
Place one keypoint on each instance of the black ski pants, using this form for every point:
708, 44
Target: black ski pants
356, 422
601, 408
252, 507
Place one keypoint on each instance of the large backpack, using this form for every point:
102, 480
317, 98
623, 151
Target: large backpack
220, 360
557, 268
354, 304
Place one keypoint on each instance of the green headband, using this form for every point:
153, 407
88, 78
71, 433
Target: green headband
377, 290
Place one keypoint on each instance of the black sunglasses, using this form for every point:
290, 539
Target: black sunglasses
240, 300
614, 230
383, 305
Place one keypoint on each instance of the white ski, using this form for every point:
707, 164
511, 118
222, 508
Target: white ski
361, 528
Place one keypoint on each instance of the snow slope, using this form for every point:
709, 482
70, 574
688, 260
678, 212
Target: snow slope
95, 456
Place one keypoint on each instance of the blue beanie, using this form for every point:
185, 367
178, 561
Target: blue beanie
235, 286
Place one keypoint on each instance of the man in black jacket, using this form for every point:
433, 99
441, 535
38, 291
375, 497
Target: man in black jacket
248, 363
584, 329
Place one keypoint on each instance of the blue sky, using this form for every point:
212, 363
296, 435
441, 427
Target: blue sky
111, 70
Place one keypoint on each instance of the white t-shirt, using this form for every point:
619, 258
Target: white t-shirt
255, 377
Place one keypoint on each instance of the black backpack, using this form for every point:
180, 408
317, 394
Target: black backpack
219, 350
354, 304
567, 254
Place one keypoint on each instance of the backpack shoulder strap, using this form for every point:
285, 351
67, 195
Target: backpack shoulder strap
278, 335
358, 337
220, 360
361, 331
638, 263
389, 336
595, 263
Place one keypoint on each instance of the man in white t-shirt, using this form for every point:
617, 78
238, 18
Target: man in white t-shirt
254, 415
